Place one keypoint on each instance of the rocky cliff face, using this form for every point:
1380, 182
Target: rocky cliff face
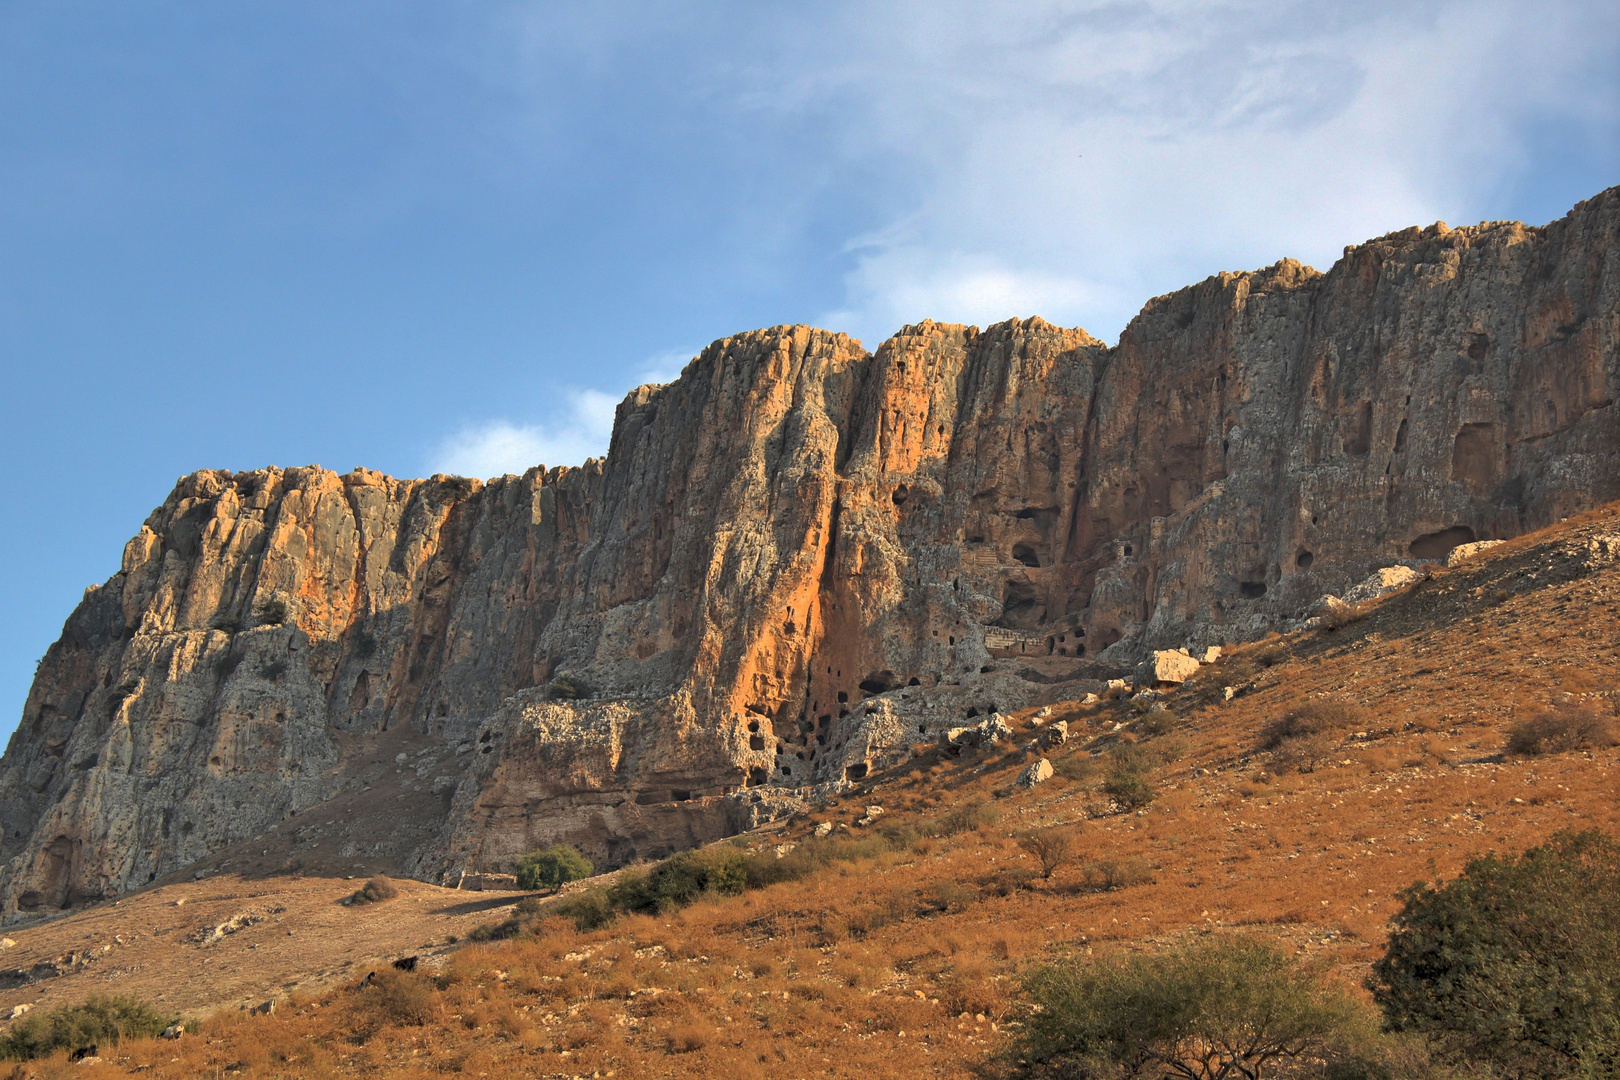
800, 557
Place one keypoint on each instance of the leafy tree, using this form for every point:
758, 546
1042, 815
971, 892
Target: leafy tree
1516, 962
552, 868
1220, 1007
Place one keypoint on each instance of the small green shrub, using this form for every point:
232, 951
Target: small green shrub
949, 897
1560, 729
552, 868
230, 624
374, 891
99, 1022
1130, 790
273, 612
589, 910
567, 688
1162, 722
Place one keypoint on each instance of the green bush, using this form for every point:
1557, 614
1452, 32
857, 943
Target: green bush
273, 612
230, 624
99, 1021
567, 688
590, 909
1162, 722
552, 868
1217, 1007
1516, 962
682, 879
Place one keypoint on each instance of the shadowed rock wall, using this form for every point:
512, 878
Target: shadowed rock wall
795, 527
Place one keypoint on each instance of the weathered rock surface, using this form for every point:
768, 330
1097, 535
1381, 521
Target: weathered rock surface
800, 558
1380, 583
1167, 666
1036, 772
1468, 551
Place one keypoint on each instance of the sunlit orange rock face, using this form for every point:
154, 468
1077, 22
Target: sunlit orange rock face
800, 556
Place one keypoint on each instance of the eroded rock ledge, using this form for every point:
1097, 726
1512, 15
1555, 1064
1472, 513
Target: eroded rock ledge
799, 558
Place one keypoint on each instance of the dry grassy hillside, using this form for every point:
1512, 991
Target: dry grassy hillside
901, 955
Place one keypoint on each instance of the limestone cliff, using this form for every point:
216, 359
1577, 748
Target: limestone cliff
796, 526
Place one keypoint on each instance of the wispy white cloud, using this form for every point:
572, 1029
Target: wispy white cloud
497, 447
664, 367
583, 430
1073, 157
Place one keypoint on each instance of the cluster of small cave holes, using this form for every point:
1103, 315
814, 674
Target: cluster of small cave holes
876, 683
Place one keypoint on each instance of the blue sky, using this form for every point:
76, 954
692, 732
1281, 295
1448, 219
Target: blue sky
425, 236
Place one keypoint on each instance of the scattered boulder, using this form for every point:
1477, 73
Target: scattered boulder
824, 829
406, 963
6, 943
1380, 583
1055, 735
1036, 772
265, 1008
987, 732
1168, 667
1468, 551
1090, 699
173, 1031
1211, 654
1116, 688
18, 1010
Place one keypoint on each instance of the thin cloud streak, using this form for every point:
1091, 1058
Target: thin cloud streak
500, 447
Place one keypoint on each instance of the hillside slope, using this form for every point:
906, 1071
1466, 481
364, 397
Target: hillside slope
901, 957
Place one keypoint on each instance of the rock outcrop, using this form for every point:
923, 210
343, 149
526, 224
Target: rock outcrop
800, 558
